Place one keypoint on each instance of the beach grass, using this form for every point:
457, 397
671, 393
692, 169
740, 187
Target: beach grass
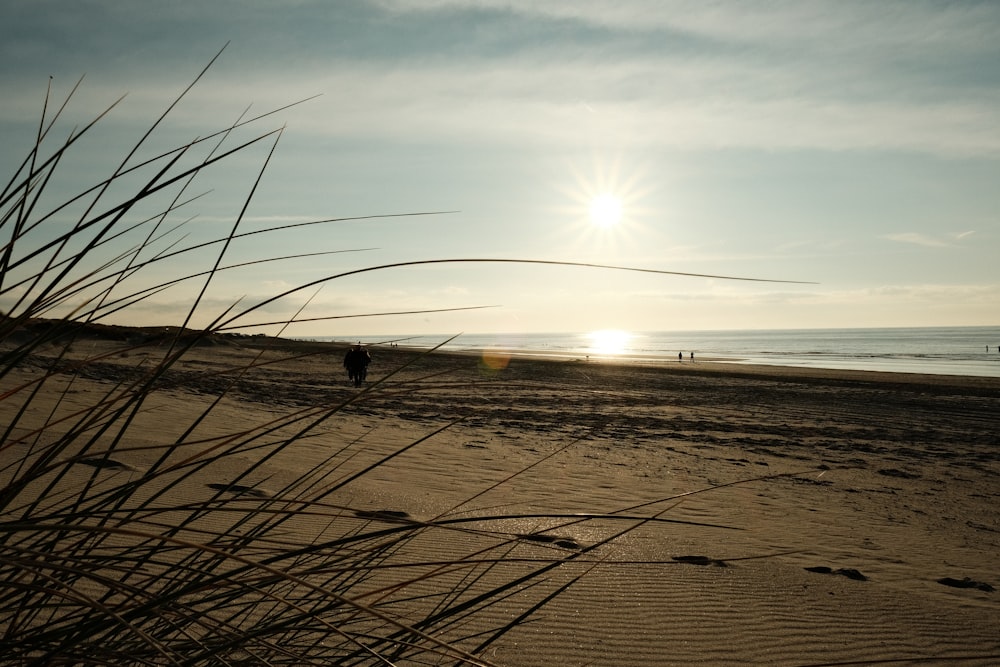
107, 561
188, 494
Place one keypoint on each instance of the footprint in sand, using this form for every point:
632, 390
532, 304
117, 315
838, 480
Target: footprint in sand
383, 515
848, 572
700, 560
966, 582
564, 542
240, 490
895, 472
105, 464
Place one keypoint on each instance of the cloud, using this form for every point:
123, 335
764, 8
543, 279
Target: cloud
729, 106
928, 240
688, 75
917, 238
844, 27
930, 293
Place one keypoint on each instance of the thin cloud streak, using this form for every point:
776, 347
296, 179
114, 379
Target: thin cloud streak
541, 106
846, 27
916, 238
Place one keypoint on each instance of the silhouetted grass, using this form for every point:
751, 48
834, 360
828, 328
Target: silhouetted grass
106, 562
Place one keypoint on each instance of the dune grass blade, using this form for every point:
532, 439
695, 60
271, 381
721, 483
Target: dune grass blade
107, 556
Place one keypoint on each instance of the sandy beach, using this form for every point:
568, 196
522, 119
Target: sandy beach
734, 514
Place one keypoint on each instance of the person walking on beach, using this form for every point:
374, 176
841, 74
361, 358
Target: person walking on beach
680, 356
356, 362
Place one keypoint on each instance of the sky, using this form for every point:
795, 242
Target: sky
851, 148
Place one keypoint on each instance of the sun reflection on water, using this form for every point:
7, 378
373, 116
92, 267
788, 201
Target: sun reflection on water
608, 341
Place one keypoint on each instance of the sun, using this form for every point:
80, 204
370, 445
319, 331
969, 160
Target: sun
603, 204
605, 210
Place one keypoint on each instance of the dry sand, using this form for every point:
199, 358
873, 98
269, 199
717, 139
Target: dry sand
841, 498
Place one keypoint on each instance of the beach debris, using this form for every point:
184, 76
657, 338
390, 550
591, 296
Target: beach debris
239, 490
848, 572
383, 515
700, 560
966, 582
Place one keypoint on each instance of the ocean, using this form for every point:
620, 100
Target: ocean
969, 351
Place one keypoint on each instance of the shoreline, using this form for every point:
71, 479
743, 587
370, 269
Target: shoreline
925, 350
145, 336
712, 365
733, 360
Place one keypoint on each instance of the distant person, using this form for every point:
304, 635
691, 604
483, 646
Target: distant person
680, 356
356, 362
692, 356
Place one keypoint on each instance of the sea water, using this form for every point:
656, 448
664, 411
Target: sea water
939, 350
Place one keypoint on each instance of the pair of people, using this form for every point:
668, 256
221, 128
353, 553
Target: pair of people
356, 362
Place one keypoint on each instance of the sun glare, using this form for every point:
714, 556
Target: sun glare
603, 208
608, 341
606, 210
